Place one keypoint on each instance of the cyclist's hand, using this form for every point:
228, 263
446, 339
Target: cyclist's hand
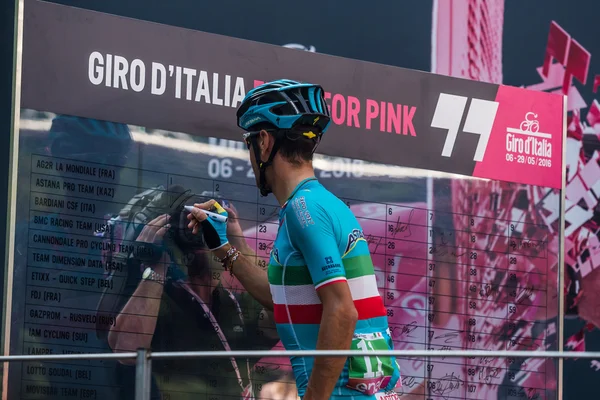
214, 231
234, 229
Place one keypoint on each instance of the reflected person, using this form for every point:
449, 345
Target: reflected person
77, 140
70, 139
180, 300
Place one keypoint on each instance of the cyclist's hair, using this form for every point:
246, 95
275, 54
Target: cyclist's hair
296, 150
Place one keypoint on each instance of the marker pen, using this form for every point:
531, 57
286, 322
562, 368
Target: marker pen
210, 214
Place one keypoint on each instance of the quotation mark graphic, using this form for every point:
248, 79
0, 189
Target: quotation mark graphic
570, 54
480, 119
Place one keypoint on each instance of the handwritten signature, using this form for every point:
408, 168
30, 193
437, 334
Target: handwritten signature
527, 342
445, 348
446, 385
373, 239
443, 250
450, 337
486, 360
487, 374
408, 382
527, 244
269, 247
404, 227
527, 293
408, 328
530, 393
489, 290
405, 329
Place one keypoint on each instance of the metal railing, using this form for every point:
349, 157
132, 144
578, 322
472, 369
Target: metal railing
144, 357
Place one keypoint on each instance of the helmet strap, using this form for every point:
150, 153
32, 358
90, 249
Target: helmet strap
262, 165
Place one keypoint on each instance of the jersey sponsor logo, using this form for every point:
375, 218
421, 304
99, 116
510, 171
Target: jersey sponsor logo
275, 254
329, 265
354, 237
386, 396
368, 386
302, 213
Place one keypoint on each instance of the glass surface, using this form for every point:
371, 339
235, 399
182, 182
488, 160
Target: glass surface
461, 263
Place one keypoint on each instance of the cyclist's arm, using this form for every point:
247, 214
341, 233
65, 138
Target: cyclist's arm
251, 276
318, 245
261, 332
236, 236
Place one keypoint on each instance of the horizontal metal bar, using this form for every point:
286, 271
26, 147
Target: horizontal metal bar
79, 356
306, 353
396, 353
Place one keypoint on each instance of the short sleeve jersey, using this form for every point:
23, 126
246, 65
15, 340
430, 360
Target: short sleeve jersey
319, 243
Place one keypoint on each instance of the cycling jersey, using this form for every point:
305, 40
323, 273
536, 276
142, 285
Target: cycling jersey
320, 242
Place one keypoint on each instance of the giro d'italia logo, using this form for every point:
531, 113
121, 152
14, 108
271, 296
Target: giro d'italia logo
527, 139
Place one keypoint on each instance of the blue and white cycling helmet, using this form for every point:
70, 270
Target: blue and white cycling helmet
284, 103
283, 106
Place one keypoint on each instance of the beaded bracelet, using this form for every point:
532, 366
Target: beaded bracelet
230, 252
235, 257
231, 256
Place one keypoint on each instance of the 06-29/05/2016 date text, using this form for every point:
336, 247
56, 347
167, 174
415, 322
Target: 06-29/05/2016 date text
530, 160
328, 167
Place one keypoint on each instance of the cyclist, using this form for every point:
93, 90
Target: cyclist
320, 281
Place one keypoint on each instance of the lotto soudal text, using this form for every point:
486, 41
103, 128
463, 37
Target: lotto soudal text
527, 144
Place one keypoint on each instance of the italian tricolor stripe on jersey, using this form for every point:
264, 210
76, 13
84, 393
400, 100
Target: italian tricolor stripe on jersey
295, 295
299, 275
311, 314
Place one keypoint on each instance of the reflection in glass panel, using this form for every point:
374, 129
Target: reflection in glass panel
461, 263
